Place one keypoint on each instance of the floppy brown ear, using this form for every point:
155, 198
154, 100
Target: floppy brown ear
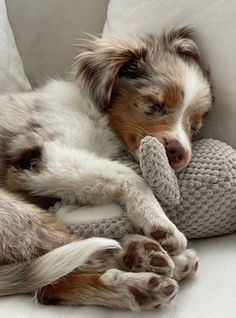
97, 68
180, 41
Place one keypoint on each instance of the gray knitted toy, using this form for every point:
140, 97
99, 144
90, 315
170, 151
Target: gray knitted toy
201, 200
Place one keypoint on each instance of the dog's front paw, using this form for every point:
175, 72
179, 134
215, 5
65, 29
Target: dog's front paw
141, 254
170, 238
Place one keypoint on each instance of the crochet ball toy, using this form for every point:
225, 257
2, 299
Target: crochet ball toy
200, 200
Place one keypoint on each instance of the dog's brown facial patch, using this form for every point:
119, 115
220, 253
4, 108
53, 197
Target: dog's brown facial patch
133, 116
196, 122
196, 119
172, 97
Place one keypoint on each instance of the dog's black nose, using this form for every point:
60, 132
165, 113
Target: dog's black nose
175, 153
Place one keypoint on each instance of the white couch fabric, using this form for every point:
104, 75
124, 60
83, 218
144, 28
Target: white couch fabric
215, 22
12, 77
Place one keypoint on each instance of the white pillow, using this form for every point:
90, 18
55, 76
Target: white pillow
215, 22
12, 77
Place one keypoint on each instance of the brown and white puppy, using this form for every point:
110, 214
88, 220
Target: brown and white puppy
149, 86
63, 142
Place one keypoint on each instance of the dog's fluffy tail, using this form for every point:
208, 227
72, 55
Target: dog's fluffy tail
21, 278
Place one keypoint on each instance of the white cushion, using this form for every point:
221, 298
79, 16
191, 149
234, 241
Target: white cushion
12, 77
215, 22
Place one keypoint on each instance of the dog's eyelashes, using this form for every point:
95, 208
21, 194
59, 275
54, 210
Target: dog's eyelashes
194, 131
160, 107
156, 108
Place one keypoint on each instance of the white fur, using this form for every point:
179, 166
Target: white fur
194, 88
193, 85
63, 260
180, 134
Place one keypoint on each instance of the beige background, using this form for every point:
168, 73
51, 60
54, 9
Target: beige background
45, 31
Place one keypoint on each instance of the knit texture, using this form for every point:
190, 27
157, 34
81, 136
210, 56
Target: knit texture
208, 192
114, 228
157, 171
201, 200
207, 205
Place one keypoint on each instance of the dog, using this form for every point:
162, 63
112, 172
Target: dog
63, 142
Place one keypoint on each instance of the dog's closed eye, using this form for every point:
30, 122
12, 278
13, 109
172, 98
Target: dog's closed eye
156, 108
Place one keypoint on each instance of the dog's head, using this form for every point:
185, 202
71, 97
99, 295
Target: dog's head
149, 86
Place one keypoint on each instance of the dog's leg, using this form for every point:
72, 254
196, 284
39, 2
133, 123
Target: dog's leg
26, 231
114, 288
34, 249
142, 254
118, 289
77, 175
138, 254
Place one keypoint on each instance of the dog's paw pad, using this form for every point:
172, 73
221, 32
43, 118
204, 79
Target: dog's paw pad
147, 255
172, 240
144, 291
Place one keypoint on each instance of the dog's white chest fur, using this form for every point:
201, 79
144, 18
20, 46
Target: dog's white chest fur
77, 120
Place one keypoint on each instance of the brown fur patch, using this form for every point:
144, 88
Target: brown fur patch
172, 98
73, 289
131, 123
14, 184
196, 120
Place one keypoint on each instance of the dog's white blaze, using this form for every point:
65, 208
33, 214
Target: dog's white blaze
180, 134
192, 86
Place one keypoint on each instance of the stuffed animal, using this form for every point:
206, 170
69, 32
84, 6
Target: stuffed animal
201, 200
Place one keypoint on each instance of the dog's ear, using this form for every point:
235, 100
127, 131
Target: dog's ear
180, 41
103, 62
